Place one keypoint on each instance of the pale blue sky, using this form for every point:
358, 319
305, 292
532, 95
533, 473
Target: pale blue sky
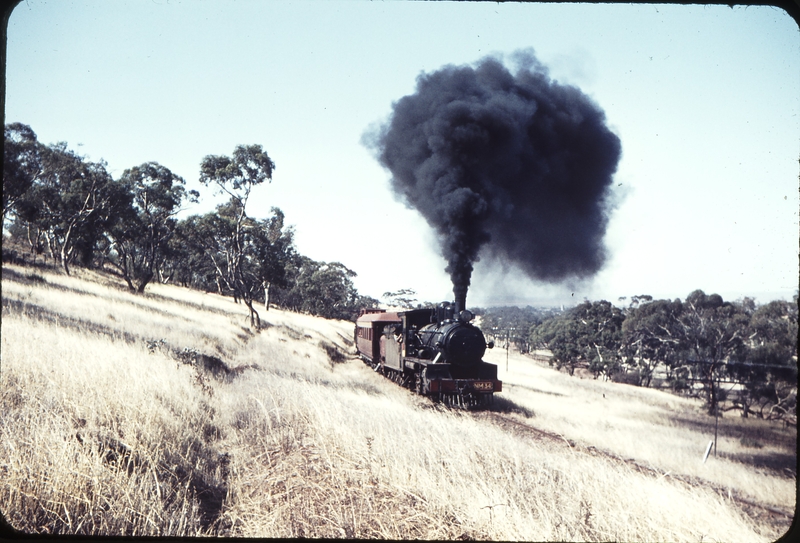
705, 100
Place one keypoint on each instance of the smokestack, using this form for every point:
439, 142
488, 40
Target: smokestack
460, 292
516, 167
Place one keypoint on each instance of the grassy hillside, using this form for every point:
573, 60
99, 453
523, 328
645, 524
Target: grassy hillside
163, 414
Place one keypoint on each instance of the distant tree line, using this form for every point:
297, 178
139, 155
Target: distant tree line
736, 351
70, 211
511, 325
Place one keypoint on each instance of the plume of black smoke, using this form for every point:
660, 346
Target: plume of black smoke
514, 164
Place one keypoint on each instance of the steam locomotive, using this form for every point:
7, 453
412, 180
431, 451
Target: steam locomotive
436, 352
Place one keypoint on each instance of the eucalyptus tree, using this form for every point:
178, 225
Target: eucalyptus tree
248, 256
323, 288
140, 234
769, 377
67, 201
601, 337
273, 247
405, 298
714, 334
188, 262
236, 176
651, 336
266, 249
217, 237
589, 335
22, 163
561, 334
332, 291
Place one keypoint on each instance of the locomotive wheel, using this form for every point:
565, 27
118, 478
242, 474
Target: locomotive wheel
465, 401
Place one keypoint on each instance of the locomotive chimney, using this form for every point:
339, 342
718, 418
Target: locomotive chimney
461, 299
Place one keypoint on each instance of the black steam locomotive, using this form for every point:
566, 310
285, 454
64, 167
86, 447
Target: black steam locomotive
435, 352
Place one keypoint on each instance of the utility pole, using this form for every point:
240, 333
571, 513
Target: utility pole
716, 417
508, 344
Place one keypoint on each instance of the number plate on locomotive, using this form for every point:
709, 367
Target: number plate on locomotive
483, 385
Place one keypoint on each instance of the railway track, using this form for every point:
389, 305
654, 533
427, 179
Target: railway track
777, 518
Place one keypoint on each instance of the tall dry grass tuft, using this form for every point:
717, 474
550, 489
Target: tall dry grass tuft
98, 439
115, 421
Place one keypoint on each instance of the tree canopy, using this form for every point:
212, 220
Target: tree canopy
150, 197
69, 208
702, 345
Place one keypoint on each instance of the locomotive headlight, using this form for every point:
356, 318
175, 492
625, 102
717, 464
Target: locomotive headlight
466, 316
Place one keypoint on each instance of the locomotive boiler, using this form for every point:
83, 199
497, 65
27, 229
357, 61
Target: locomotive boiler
436, 352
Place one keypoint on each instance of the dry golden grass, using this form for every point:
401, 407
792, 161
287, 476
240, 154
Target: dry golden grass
658, 429
107, 430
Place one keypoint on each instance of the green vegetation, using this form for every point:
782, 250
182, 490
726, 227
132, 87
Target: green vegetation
64, 208
732, 354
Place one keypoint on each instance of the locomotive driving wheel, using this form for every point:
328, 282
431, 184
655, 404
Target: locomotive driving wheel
420, 384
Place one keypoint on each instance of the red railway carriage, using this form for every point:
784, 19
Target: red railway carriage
436, 352
369, 328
